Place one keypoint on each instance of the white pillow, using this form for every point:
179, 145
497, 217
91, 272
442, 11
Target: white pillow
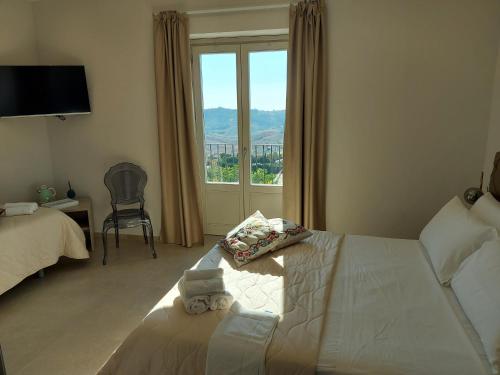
477, 287
451, 236
487, 208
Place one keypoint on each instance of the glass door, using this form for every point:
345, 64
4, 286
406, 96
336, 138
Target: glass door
264, 73
240, 94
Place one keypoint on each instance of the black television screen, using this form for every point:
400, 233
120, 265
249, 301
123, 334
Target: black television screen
43, 90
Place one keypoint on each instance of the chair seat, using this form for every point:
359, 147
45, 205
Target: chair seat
128, 218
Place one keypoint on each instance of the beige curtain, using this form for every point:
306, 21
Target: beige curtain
304, 177
180, 180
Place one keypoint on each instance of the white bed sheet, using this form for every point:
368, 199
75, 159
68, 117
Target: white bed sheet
29, 243
388, 315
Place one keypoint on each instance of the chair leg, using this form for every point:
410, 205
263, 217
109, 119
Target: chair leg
105, 246
152, 240
117, 237
145, 233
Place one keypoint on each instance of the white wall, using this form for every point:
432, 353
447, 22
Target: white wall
493, 142
114, 40
410, 90
409, 101
25, 160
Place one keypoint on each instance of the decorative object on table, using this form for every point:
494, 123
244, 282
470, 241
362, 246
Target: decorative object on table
472, 194
61, 203
45, 193
70, 193
126, 183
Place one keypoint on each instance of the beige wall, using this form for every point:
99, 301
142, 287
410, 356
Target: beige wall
25, 160
113, 39
409, 101
493, 142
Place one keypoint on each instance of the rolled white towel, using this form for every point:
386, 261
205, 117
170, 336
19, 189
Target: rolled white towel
213, 273
207, 287
195, 304
221, 301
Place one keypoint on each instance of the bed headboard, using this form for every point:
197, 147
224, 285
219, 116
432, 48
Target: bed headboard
494, 187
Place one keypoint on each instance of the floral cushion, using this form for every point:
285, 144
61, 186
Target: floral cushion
257, 236
289, 232
250, 239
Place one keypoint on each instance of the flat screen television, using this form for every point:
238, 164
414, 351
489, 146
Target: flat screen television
43, 91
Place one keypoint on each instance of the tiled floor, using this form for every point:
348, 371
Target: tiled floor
72, 320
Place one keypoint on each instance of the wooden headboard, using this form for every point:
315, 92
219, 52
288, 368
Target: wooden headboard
495, 178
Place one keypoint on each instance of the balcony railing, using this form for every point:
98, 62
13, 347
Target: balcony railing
222, 163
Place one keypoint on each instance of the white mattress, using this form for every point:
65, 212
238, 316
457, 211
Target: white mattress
388, 315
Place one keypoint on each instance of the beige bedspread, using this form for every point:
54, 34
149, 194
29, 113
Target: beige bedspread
29, 243
293, 282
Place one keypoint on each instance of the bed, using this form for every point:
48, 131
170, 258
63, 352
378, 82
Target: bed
388, 315
348, 305
29, 243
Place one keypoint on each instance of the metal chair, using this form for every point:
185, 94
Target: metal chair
126, 183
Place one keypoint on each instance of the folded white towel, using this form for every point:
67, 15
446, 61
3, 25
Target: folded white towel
239, 343
195, 304
207, 287
221, 301
204, 289
32, 205
15, 209
213, 273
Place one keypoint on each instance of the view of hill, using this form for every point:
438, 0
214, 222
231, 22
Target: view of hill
221, 126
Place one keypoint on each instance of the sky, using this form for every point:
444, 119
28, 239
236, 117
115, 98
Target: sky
267, 80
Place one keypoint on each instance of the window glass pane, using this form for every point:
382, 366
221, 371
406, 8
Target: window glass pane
220, 117
267, 115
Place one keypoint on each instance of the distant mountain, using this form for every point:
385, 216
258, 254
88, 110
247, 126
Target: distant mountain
221, 126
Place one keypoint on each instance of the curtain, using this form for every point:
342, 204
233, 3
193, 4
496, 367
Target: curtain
180, 180
304, 180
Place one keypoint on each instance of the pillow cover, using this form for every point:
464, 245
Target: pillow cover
250, 239
476, 285
289, 232
487, 208
451, 236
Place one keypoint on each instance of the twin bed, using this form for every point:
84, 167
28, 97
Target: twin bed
30, 243
348, 305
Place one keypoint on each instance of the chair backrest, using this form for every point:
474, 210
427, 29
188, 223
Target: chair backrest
126, 183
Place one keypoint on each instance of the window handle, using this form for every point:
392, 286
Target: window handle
244, 152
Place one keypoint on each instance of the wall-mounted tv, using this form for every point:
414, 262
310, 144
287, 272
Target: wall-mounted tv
43, 91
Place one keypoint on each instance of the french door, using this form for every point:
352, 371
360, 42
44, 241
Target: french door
240, 96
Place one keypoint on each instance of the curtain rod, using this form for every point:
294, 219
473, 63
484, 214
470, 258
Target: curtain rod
240, 9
